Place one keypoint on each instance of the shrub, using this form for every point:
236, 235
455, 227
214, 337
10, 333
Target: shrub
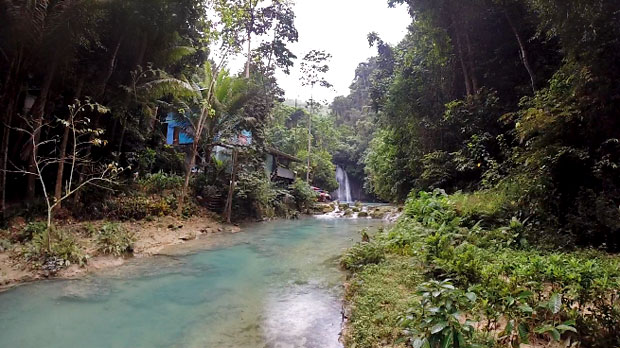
164, 159
5, 244
363, 254
126, 207
114, 239
138, 206
303, 194
160, 182
66, 248
30, 230
541, 294
440, 324
64, 251
438, 170
431, 209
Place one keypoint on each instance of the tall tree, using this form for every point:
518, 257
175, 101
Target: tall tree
313, 68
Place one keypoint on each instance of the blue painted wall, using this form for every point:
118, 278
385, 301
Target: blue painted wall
244, 138
172, 123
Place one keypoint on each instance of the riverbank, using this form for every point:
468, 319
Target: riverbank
275, 283
438, 279
151, 237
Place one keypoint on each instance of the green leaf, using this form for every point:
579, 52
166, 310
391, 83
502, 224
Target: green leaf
433, 309
525, 308
524, 333
446, 342
510, 300
509, 327
544, 329
525, 294
438, 327
563, 328
555, 303
471, 296
570, 322
461, 339
555, 334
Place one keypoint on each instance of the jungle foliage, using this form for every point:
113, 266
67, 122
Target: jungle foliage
517, 98
435, 280
143, 63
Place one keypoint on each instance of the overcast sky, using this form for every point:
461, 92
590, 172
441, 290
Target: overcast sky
339, 27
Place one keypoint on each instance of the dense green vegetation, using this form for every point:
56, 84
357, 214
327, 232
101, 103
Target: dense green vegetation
509, 106
89, 85
515, 98
87, 91
439, 278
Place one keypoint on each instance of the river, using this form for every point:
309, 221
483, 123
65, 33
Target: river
275, 284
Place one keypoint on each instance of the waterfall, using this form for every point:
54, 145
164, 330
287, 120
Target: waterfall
344, 190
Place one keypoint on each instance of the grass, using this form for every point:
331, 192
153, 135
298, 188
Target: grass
486, 203
379, 294
491, 270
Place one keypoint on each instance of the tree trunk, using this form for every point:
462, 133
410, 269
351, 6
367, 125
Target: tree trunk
10, 97
523, 51
309, 144
123, 123
188, 174
231, 188
38, 110
63, 153
468, 86
5, 155
247, 64
111, 67
104, 83
143, 47
472, 66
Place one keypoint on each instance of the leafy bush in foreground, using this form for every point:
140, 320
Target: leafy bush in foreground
515, 293
114, 239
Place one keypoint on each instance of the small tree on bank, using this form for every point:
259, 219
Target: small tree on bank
45, 155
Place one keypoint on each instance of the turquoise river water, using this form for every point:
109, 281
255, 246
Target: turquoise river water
275, 284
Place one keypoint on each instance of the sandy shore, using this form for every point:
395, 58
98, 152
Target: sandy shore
151, 238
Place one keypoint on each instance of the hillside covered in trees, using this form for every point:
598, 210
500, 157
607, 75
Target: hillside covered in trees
491, 128
517, 101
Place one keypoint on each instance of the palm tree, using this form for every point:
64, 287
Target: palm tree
219, 99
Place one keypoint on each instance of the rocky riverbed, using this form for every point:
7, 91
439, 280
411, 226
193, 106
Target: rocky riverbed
358, 210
